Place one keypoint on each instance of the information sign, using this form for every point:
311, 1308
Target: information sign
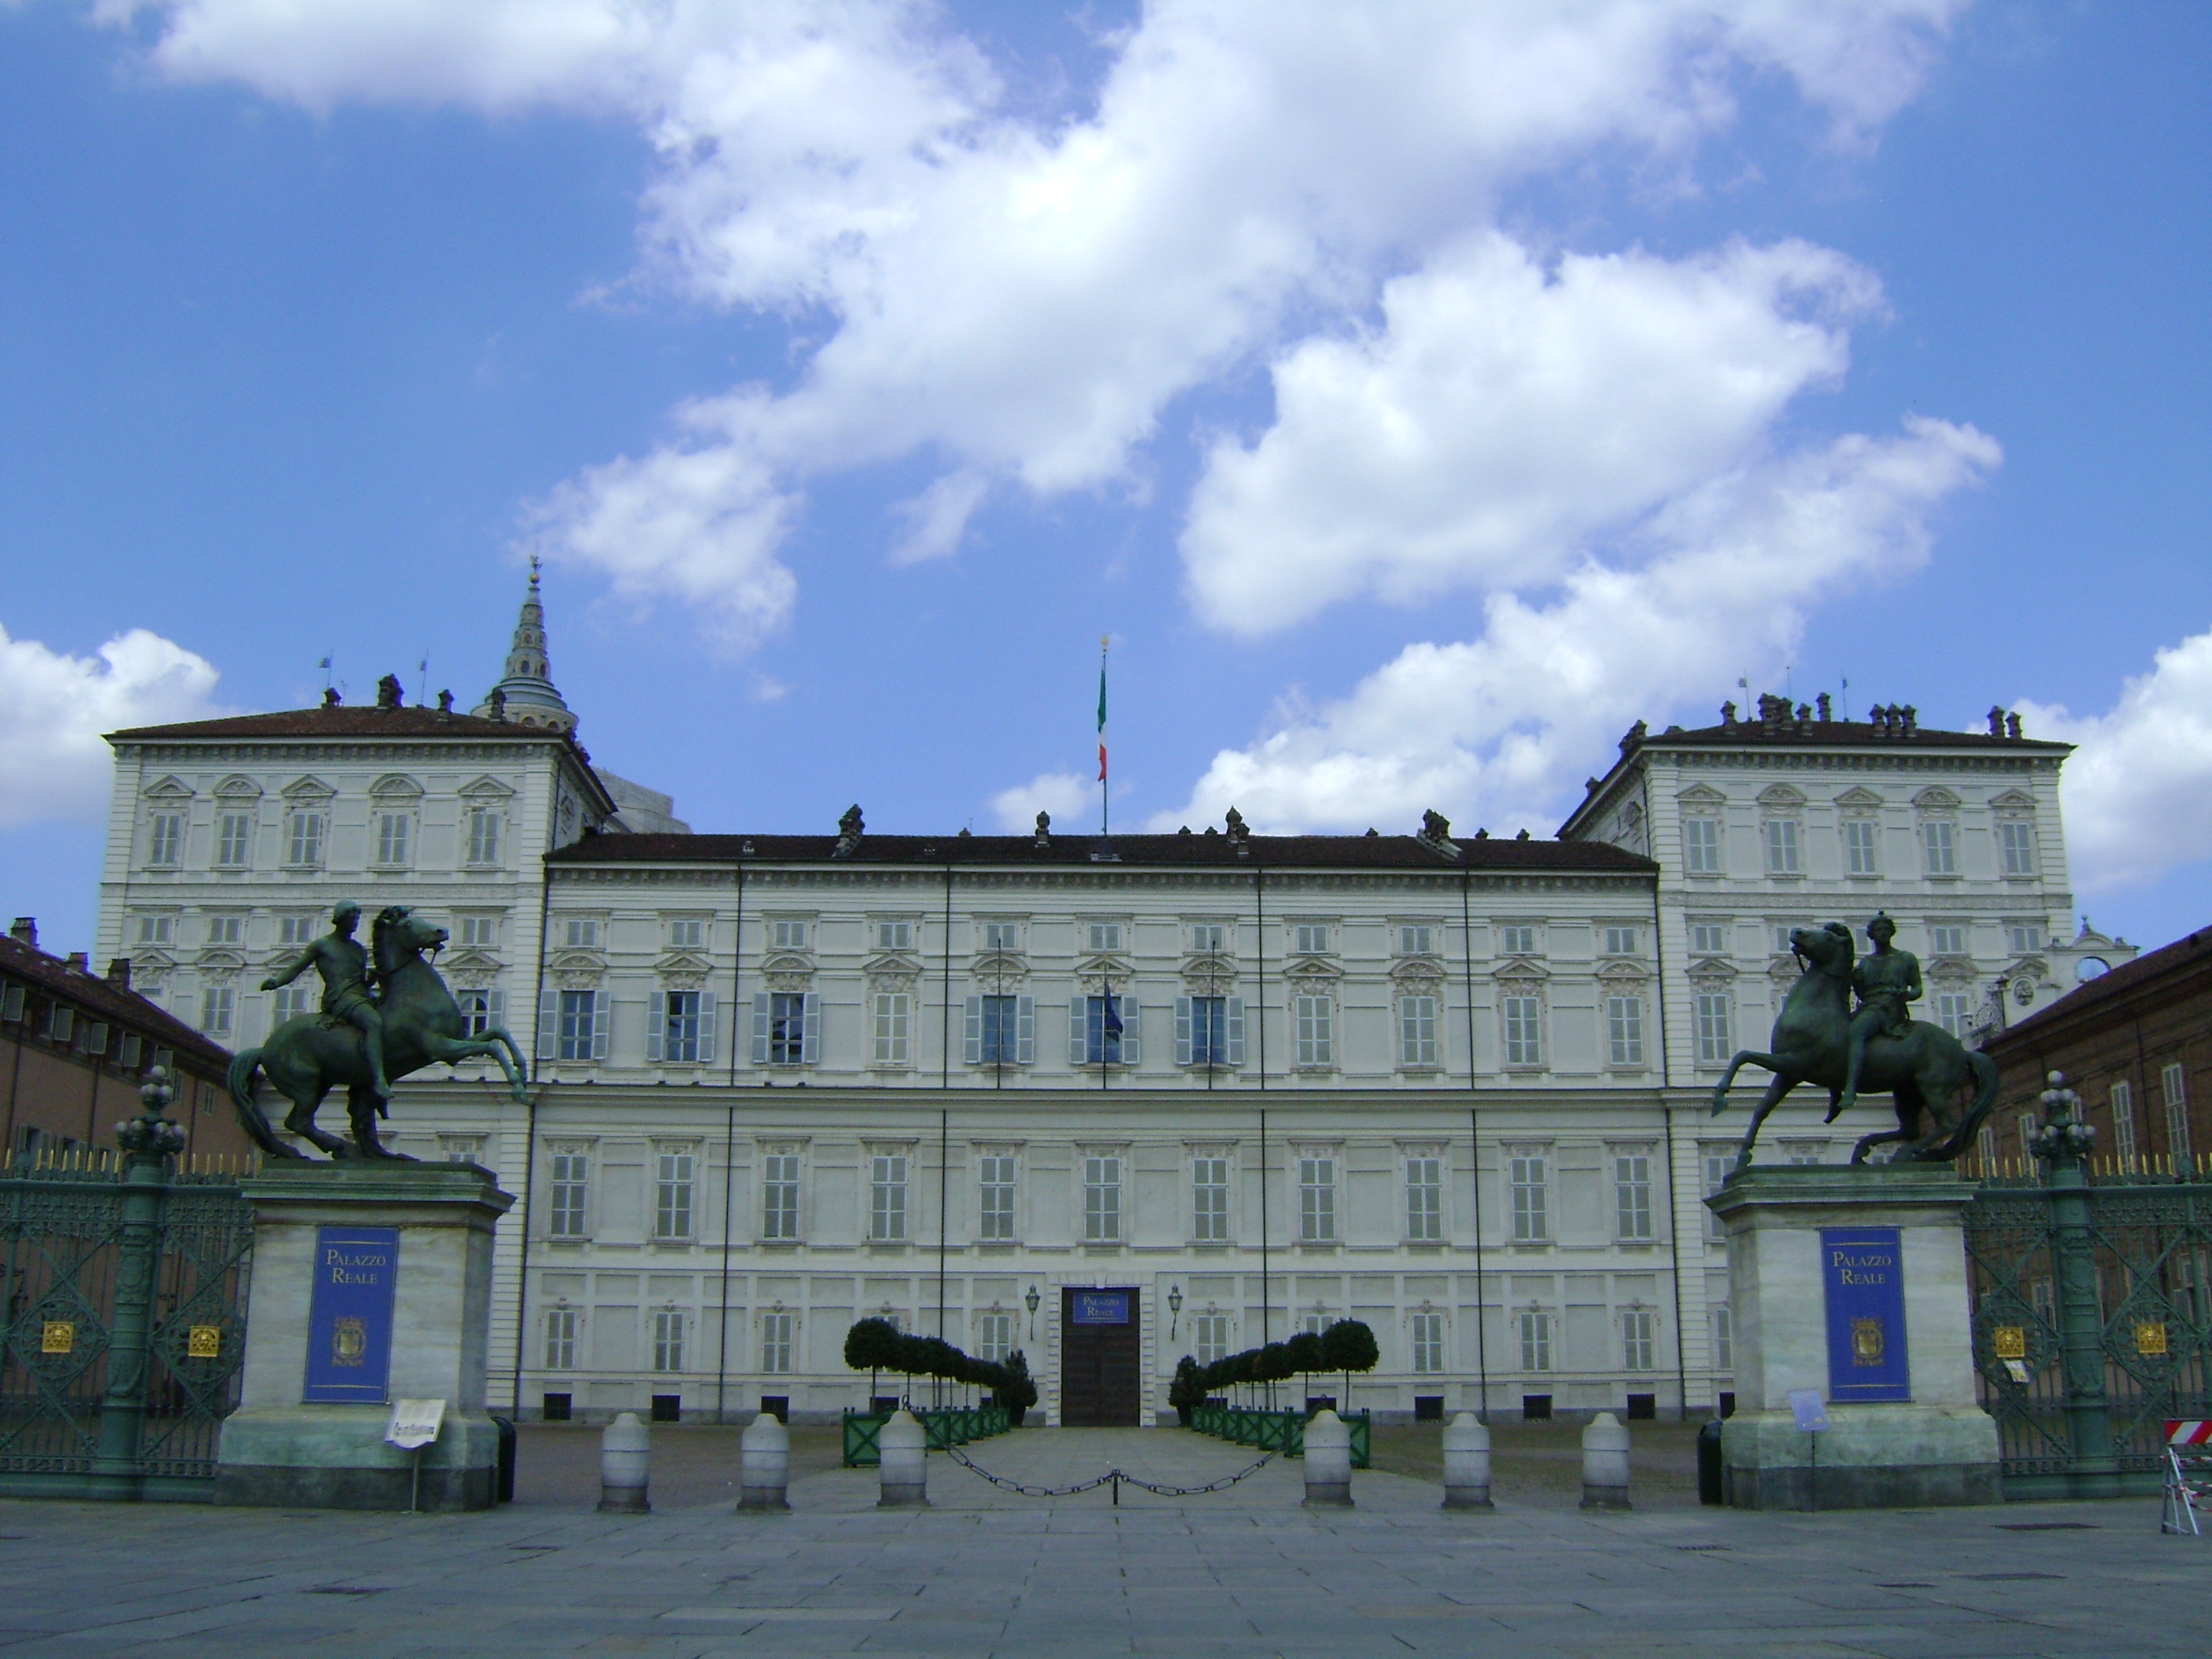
415, 1423
1102, 1307
350, 1316
1863, 1271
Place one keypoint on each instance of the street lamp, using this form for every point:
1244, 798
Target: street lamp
1033, 1299
1174, 1308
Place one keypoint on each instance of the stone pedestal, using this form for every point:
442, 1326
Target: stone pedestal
1935, 1446
281, 1447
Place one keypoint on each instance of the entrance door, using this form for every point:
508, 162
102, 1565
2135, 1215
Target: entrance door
1098, 1361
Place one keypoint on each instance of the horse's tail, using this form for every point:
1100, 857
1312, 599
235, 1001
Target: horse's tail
240, 1078
1985, 1096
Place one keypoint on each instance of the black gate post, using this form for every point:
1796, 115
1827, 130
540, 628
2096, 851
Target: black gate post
2063, 1144
148, 1140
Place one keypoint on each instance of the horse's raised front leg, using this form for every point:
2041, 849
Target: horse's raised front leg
1782, 1084
1744, 1057
451, 1051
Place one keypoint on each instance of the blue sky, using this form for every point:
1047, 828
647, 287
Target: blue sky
1411, 431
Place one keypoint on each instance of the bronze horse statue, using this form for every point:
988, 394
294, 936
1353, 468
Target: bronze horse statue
1925, 1071
307, 1056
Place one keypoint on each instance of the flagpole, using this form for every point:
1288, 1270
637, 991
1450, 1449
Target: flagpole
1103, 814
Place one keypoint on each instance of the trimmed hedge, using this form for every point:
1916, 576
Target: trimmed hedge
877, 1345
1348, 1346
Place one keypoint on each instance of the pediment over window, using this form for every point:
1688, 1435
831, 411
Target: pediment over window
1953, 971
470, 961
1091, 967
577, 962
486, 790
684, 962
1935, 799
396, 787
1521, 970
1317, 974
238, 787
1702, 795
1713, 968
2013, 801
901, 961
170, 788
144, 961
305, 791
987, 968
1781, 797
1623, 974
1859, 796
785, 963
1417, 975
220, 964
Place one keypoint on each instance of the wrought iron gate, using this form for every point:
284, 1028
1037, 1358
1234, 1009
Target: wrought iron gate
123, 1332
2092, 1326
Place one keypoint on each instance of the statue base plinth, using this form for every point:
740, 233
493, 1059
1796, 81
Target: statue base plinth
279, 1448
1936, 1446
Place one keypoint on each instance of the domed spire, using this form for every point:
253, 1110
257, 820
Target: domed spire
527, 694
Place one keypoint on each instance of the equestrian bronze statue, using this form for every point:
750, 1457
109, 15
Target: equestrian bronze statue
382, 1017
1818, 1039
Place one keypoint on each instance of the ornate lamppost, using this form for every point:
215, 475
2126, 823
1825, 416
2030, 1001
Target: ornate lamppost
1032, 1299
2063, 1145
148, 1140
1175, 1309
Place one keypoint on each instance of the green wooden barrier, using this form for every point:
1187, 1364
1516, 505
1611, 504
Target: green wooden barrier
946, 1427
1282, 1431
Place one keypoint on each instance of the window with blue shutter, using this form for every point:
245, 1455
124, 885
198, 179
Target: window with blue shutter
786, 1028
1209, 1030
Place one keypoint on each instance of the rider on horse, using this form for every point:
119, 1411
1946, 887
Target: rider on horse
1886, 979
344, 965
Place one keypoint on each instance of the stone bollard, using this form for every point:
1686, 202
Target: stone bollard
1605, 1463
1467, 1464
904, 1445
1328, 1461
624, 1452
764, 1464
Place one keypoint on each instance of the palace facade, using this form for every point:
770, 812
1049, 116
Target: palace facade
1456, 1086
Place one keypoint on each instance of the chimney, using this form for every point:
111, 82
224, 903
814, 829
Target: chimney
79, 961
25, 932
118, 973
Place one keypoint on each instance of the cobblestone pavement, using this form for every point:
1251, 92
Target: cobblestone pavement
984, 1572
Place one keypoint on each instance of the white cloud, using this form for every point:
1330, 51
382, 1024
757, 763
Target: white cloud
1061, 793
1024, 297
54, 708
938, 517
2138, 792
1488, 730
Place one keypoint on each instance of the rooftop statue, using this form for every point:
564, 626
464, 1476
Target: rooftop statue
1819, 1039
385, 1013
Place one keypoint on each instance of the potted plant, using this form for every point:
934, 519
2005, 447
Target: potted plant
1019, 1392
1187, 1390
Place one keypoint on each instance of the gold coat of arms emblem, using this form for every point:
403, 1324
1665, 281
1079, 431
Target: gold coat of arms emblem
348, 1342
1866, 1342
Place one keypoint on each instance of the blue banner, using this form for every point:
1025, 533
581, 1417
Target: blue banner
1101, 1307
350, 1316
1862, 1269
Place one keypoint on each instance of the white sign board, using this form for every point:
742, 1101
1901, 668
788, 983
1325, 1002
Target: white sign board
415, 1423
1806, 1405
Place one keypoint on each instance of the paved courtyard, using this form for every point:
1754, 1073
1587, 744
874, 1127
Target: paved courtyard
985, 1572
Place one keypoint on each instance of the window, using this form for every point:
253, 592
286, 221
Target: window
1861, 842
1002, 936
1315, 1017
1624, 1028
1209, 1030
1105, 935
789, 935
1103, 1031
217, 1003
995, 1337
394, 832
1724, 1338
226, 930
571, 1189
481, 932
1620, 941
786, 1027
1718, 1167
294, 1000
303, 844
1527, 1173
159, 930
1001, 1031
582, 933
1955, 1013
1428, 1333
887, 1197
672, 1193
233, 840
1516, 939
892, 1012
580, 1032
1709, 938
561, 1338
1782, 942
1208, 939
1317, 1201
779, 1196
1417, 940
61, 1026
776, 1342
1310, 938
2026, 1124
1524, 1026
1805, 1151
1640, 1339
1210, 1332
11, 1004
1417, 1030
1939, 843
1209, 1199
1715, 1038
687, 933
894, 936
1947, 939
687, 1028
2124, 1122
165, 844
1701, 847
1536, 1339
2016, 847
2023, 938
483, 834
995, 1206
1102, 1199
1425, 1199
1631, 1198
2174, 1085
1780, 837
668, 1340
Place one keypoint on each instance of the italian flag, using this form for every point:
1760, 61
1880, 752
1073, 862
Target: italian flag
1101, 711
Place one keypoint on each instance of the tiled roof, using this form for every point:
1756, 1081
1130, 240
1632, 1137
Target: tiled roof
1213, 850
109, 1002
343, 722
2195, 951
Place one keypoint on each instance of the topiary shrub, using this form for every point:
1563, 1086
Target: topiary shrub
1018, 1393
1186, 1392
1348, 1346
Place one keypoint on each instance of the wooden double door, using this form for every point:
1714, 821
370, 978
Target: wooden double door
1099, 1358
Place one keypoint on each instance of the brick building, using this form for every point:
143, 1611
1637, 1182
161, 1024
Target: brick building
2137, 1043
75, 1047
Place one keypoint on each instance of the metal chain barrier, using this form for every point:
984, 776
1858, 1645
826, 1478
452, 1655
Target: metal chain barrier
1115, 1476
